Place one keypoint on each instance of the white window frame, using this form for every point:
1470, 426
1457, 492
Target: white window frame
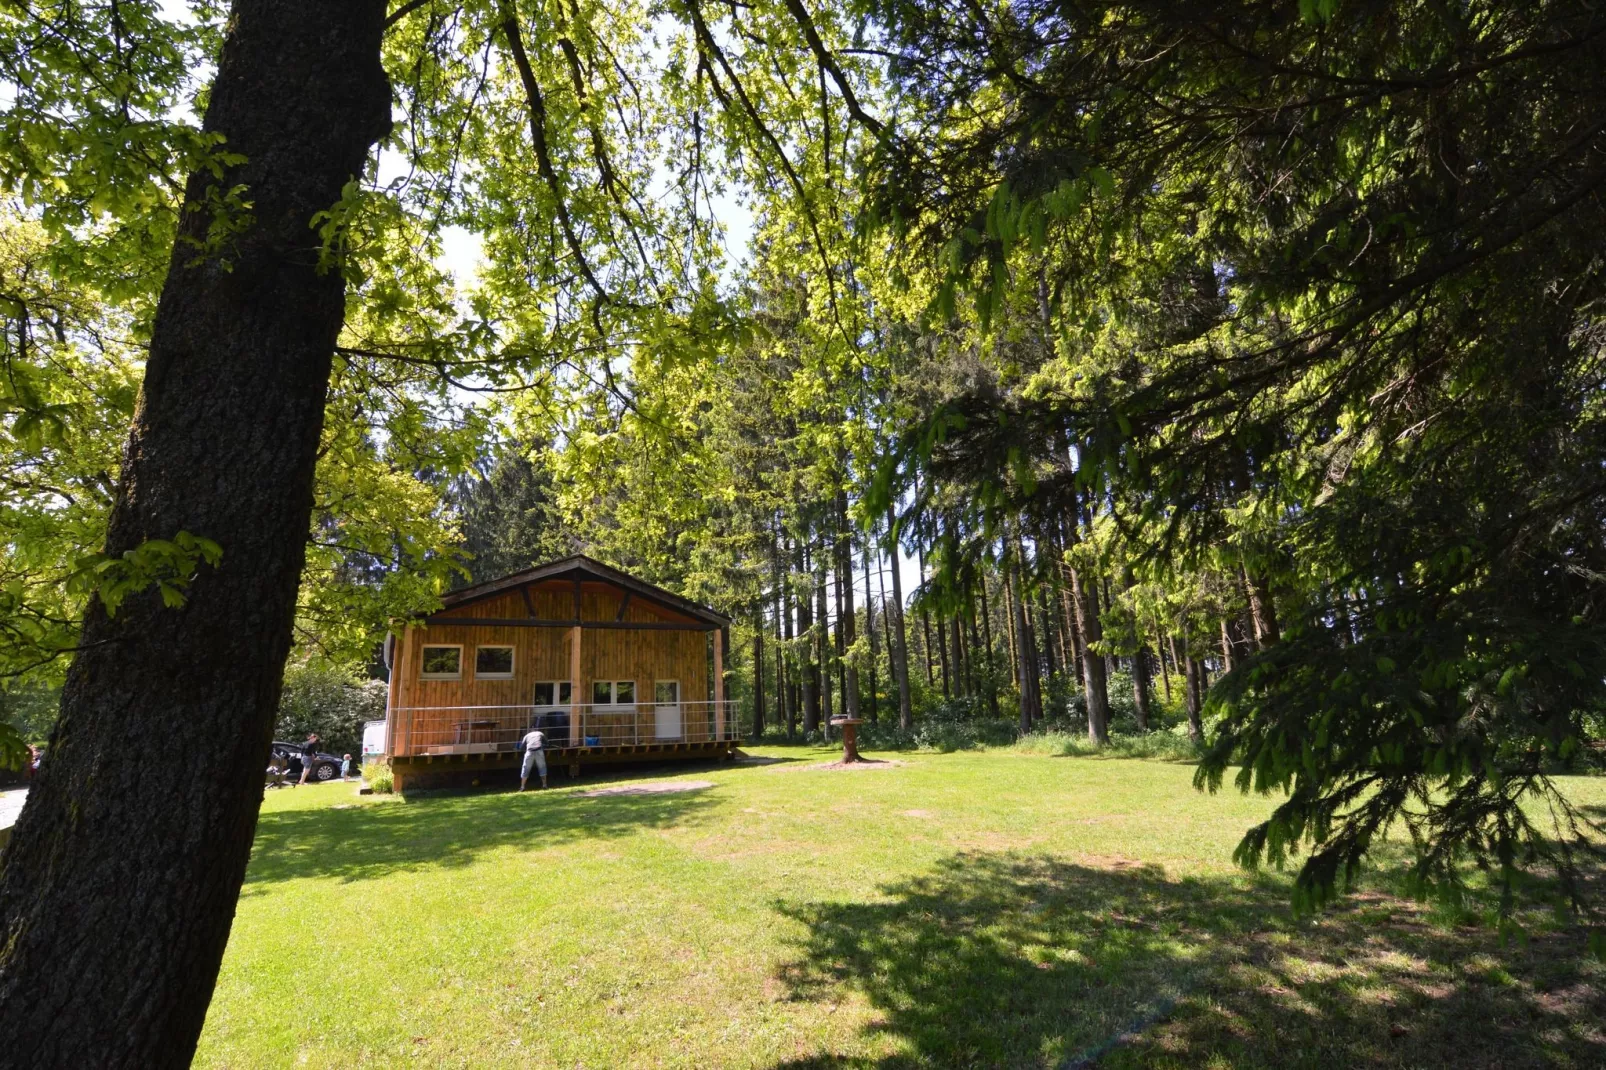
678, 699
422, 656
513, 659
613, 694
557, 689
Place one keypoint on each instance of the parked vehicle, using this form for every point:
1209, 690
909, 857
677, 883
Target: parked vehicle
325, 767
373, 740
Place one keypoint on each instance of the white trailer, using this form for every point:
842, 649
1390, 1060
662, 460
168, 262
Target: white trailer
373, 740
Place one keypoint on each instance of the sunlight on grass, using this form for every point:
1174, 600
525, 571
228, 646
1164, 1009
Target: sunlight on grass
980, 908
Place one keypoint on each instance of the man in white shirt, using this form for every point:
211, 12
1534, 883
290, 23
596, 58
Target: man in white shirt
534, 745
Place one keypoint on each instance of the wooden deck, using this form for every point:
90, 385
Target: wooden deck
423, 771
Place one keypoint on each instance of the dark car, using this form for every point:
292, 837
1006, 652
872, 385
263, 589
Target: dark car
325, 767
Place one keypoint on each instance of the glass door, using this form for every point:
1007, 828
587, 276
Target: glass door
666, 709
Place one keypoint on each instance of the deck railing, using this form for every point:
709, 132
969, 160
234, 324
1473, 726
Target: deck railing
431, 730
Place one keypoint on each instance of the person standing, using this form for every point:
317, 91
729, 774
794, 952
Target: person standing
534, 755
309, 754
345, 768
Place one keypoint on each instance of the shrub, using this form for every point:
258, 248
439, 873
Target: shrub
1165, 746
376, 774
30, 708
330, 702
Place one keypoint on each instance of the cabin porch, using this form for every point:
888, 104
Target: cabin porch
526, 650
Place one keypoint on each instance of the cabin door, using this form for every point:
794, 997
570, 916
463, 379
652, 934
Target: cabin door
666, 709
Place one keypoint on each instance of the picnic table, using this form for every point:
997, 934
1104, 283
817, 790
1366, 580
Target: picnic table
850, 736
472, 731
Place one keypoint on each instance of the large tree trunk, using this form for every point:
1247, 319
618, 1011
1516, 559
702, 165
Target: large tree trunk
822, 631
925, 621
1140, 687
792, 685
1085, 598
990, 679
846, 624
758, 677
869, 622
900, 637
805, 632
1030, 711
120, 886
1262, 608
1193, 696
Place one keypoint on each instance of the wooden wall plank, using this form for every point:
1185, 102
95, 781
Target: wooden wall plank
644, 657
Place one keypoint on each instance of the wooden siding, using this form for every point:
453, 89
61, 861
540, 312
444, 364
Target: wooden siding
644, 656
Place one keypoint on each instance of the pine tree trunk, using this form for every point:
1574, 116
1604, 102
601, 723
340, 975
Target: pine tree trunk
1140, 687
1009, 628
120, 884
1046, 616
925, 622
1085, 598
900, 639
1027, 713
1191, 694
847, 623
1165, 672
822, 632
758, 679
869, 623
805, 633
990, 679
1261, 608
956, 657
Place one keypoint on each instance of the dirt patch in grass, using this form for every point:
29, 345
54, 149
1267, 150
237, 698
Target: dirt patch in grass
862, 763
659, 787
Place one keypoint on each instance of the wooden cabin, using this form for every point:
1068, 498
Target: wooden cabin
611, 668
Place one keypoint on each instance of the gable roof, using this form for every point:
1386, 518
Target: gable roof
580, 567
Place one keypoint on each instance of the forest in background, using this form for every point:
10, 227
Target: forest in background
1232, 370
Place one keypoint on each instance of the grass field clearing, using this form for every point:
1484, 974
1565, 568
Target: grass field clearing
971, 909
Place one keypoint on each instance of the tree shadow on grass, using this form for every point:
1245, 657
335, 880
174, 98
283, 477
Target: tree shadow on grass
995, 960
362, 842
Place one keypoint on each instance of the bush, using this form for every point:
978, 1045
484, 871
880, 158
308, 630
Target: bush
1166, 746
330, 702
376, 774
30, 708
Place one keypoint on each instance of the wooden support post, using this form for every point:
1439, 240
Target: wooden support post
719, 683
574, 686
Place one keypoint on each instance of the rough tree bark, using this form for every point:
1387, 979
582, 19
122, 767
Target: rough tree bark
900, 637
119, 888
1086, 600
1140, 687
758, 677
869, 624
846, 630
805, 631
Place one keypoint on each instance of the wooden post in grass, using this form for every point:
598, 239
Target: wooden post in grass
574, 686
719, 684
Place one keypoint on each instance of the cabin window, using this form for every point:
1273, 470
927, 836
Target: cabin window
613, 692
666, 692
441, 663
553, 693
493, 663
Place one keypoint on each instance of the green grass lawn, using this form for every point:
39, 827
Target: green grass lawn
973, 909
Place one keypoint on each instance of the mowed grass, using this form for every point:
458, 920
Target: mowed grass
974, 909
